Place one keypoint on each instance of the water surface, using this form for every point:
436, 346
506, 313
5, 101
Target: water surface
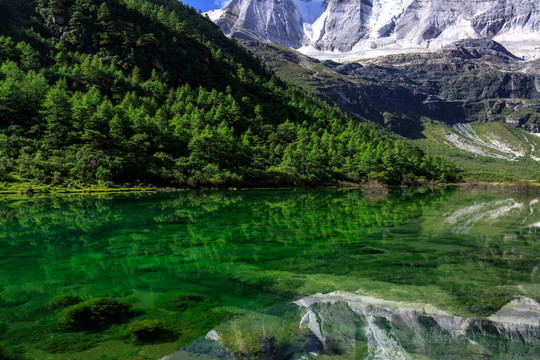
247, 253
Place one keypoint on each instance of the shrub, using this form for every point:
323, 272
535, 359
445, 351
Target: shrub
524, 186
246, 344
142, 331
63, 301
95, 314
283, 176
373, 187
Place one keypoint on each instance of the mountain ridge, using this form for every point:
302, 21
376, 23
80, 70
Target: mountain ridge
472, 102
355, 29
122, 92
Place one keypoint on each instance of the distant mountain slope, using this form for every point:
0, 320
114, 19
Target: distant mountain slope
136, 91
353, 29
467, 81
431, 98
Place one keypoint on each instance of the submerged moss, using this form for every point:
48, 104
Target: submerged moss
3, 327
94, 314
142, 331
182, 301
68, 342
63, 301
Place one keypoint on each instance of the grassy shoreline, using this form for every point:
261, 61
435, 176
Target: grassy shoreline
32, 189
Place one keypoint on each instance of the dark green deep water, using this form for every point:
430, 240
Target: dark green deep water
245, 252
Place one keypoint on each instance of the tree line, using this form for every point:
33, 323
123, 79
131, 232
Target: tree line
133, 91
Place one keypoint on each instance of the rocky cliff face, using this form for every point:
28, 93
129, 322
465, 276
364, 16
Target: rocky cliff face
366, 28
274, 21
470, 80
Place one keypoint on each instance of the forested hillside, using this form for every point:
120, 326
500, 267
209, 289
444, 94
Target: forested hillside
117, 92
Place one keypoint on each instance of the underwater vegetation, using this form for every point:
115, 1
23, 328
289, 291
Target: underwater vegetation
94, 314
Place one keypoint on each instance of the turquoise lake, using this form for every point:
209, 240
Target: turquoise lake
415, 274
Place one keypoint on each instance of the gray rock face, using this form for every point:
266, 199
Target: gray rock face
347, 23
476, 48
368, 28
275, 21
470, 80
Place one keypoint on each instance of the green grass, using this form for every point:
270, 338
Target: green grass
483, 168
298, 69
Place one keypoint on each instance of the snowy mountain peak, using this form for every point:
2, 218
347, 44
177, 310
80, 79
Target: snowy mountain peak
368, 28
384, 15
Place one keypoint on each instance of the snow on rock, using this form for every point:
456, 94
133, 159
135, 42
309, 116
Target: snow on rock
384, 16
356, 29
313, 14
214, 15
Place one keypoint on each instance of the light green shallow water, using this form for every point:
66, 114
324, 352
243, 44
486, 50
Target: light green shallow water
248, 252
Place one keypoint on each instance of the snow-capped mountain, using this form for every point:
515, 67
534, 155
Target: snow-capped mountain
368, 28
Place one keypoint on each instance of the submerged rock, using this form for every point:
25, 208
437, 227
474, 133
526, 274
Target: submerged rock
203, 349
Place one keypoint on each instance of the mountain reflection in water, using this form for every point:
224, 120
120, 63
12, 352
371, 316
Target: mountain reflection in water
349, 326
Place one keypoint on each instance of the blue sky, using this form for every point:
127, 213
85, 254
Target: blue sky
205, 5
